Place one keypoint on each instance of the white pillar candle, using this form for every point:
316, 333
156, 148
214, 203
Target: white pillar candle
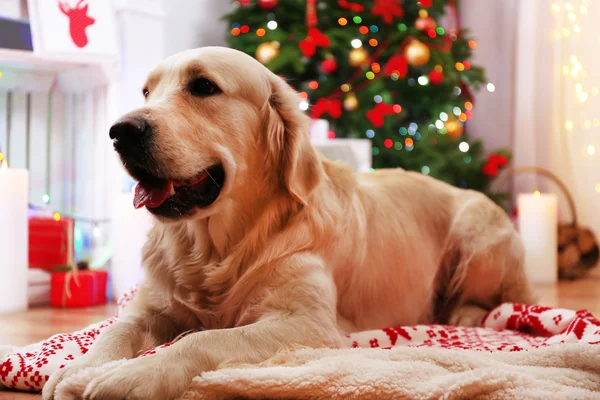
130, 229
14, 239
538, 226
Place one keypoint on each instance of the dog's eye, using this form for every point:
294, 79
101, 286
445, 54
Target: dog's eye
145, 92
203, 87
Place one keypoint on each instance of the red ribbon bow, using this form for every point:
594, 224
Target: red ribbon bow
315, 39
396, 64
354, 7
387, 9
376, 115
332, 107
498, 159
493, 164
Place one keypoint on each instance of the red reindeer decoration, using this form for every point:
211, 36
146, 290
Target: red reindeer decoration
78, 21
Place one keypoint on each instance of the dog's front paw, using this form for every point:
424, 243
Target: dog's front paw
144, 378
70, 369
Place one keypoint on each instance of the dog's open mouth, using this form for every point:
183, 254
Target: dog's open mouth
173, 198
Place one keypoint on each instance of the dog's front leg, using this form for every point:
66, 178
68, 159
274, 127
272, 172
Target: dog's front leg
297, 310
125, 339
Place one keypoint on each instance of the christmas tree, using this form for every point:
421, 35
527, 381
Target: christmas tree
387, 70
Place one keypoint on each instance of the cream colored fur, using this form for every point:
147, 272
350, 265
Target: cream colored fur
563, 371
296, 250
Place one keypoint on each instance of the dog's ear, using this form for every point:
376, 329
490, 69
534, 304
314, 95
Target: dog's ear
298, 164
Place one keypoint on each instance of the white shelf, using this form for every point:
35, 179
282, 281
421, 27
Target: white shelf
30, 61
28, 71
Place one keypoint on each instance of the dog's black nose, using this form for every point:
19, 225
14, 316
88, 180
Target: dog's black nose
130, 128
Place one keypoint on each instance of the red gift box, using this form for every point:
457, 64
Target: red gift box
86, 288
50, 242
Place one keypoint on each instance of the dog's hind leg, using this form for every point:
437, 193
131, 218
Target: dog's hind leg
483, 264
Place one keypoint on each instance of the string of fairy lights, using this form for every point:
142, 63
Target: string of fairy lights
571, 15
95, 223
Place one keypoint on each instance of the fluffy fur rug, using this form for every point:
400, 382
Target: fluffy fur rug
559, 360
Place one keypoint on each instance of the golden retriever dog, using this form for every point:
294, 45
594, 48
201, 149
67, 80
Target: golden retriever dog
260, 245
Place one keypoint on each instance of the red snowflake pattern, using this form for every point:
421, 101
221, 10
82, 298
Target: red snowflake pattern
5, 368
502, 330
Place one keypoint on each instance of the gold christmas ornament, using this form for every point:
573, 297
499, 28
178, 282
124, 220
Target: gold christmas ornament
267, 51
350, 102
425, 23
417, 53
358, 57
454, 127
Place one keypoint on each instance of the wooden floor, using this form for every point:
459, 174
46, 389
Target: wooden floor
40, 323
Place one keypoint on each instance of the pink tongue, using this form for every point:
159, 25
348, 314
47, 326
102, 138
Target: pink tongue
151, 196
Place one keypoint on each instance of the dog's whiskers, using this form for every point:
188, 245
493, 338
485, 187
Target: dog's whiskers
210, 176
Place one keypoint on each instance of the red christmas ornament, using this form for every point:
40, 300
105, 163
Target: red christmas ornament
315, 38
436, 77
425, 3
387, 9
267, 4
331, 107
376, 115
329, 66
397, 65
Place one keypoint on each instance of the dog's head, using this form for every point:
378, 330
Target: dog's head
215, 122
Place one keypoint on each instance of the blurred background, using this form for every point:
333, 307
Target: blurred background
469, 92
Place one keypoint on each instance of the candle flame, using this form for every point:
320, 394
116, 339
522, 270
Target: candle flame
4, 164
537, 193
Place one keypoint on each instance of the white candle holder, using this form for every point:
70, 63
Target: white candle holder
14, 238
